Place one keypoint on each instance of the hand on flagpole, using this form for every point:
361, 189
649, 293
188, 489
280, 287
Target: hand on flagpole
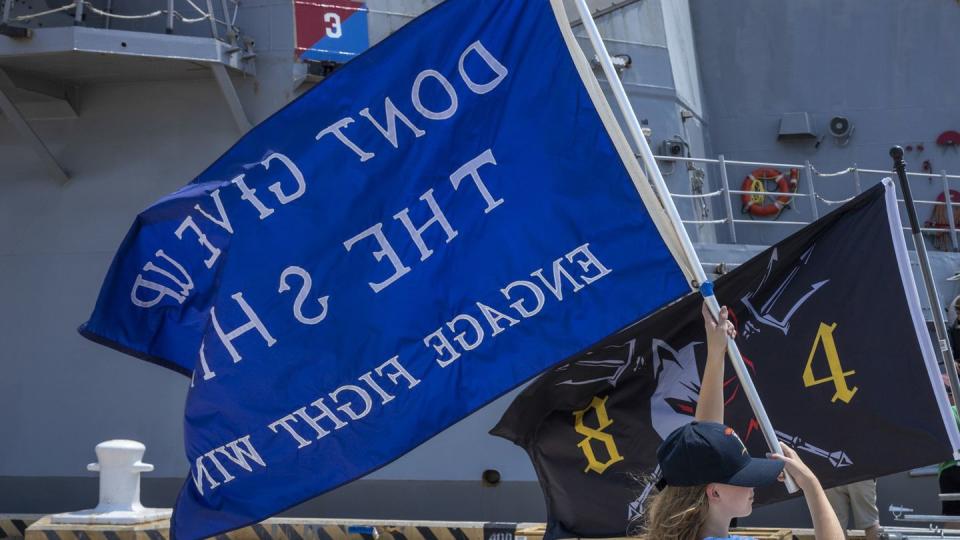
796, 468
719, 329
720, 338
825, 523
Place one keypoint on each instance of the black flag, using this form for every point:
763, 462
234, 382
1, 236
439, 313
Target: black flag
830, 326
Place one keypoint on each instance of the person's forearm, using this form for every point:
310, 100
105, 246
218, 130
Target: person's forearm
710, 402
826, 526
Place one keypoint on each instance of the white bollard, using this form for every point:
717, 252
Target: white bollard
119, 464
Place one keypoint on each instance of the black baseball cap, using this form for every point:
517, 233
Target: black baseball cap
707, 452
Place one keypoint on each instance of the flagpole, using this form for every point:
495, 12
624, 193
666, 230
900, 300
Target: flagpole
946, 353
706, 288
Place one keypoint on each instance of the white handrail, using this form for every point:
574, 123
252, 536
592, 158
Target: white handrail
78, 7
841, 172
810, 172
696, 195
359, 9
773, 193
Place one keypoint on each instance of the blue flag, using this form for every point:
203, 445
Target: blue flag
444, 217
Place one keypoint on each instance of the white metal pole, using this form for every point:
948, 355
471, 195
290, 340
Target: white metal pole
77, 13
814, 209
633, 126
170, 14
213, 20
948, 201
728, 205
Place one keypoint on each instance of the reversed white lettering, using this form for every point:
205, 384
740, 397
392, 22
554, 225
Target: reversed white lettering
518, 305
314, 421
250, 195
188, 223
240, 452
447, 87
556, 286
460, 338
277, 190
337, 129
186, 285
239, 455
499, 69
399, 269
416, 233
494, 317
347, 407
352, 400
285, 424
253, 323
392, 113
200, 472
224, 221
471, 169
443, 347
384, 396
590, 260
398, 372
302, 295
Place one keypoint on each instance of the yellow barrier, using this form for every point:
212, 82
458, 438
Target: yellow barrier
293, 529
14, 526
31, 527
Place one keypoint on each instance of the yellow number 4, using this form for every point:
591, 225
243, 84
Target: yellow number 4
837, 375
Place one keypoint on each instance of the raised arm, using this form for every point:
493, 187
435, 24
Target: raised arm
710, 402
826, 526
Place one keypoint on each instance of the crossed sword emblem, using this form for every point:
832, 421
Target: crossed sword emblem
838, 458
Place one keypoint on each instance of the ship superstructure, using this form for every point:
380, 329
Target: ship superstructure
109, 105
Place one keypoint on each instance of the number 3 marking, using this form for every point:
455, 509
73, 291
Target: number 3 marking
334, 31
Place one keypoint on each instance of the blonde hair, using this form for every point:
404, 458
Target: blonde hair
676, 513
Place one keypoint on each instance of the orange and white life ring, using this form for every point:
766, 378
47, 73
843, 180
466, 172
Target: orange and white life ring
756, 182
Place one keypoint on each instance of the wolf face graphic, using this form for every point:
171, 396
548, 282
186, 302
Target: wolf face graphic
678, 378
678, 386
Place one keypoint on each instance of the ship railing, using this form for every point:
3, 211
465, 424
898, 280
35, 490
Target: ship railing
813, 198
360, 8
222, 24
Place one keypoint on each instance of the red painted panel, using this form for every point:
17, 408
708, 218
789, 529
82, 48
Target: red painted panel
311, 26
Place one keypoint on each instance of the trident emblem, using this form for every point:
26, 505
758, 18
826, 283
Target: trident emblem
764, 315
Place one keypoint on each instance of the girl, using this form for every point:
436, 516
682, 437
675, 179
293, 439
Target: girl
709, 477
